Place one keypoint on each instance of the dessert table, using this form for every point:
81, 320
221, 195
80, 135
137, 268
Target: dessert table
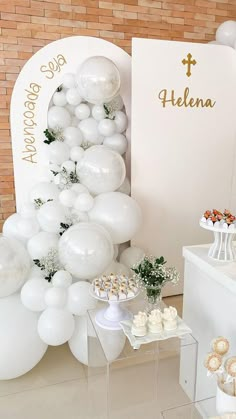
209, 306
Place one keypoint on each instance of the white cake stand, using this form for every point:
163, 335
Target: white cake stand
222, 248
110, 316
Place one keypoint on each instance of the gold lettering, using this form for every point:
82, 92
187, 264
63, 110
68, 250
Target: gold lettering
29, 158
185, 101
53, 66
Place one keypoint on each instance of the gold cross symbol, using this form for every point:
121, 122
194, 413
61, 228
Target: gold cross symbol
189, 62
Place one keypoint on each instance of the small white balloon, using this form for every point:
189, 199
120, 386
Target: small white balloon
56, 326
131, 256
106, 127
84, 202
58, 117
68, 80
40, 244
125, 187
82, 111
226, 33
121, 121
67, 197
76, 153
59, 98
73, 136
80, 299
68, 165
50, 216
44, 191
79, 188
62, 279
33, 292
116, 142
98, 112
55, 297
28, 227
58, 152
73, 97
89, 128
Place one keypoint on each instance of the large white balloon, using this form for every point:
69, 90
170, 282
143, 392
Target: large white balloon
121, 121
98, 80
73, 136
129, 257
20, 345
58, 152
28, 227
116, 142
14, 266
32, 294
50, 216
68, 80
101, 169
89, 129
10, 228
44, 191
226, 33
79, 298
67, 197
85, 250
56, 326
113, 343
27, 210
40, 244
118, 213
58, 117
117, 268
76, 153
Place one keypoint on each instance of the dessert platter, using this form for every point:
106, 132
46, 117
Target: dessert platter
113, 289
223, 225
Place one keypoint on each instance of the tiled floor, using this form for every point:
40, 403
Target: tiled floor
57, 388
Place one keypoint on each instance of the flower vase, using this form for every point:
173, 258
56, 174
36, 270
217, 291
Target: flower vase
153, 297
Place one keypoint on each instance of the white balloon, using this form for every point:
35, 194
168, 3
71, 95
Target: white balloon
55, 297
44, 191
14, 266
121, 121
106, 127
117, 268
118, 213
101, 169
85, 250
50, 216
73, 136
89, 128
28, 211
84, 202
62, 279
58, 117
59, 98
68, 165
82, 111
82, 216
226, 33
20, 345
116, 142
10, 228
74, 122
71, 109
98, 112
28, 227
113, 343
79, 188
76, 153
73, 97
98, 80
68, 80
67, 197
40, 244
116, 103
32, 294
125, 187
80, 299
131, 256
56, 326
58, 152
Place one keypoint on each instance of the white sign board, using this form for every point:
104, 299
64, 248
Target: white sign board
183, 141
33, 90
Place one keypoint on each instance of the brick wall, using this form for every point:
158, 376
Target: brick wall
28, 25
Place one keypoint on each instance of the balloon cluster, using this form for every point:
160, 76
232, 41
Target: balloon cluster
74, 222
226, 34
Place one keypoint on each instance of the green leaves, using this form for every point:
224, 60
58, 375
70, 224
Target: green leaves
50, 135
152, 272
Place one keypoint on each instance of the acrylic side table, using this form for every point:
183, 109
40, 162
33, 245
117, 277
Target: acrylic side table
128, 383
203, 409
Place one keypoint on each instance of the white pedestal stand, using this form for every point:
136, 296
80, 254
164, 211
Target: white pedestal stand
222, 248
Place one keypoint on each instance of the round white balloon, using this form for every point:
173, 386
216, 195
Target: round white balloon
28, 227
116, 142
101, 170
67, 197
58, 152
68, 80
106, 127
44, 191
121, 121
118, 213
85, 250
50, 216
14, 266
73, 97
72, 136
78, 188
56, 326
98, 112
76, 153
79, 298
116, 103
58, 117
55, 297
59, 98
84, 202
89, 129
131, 256
10, 228
21, 348
28, 211
98, 80
226, 33
62, 279
33, 292
40, 244
82, 111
